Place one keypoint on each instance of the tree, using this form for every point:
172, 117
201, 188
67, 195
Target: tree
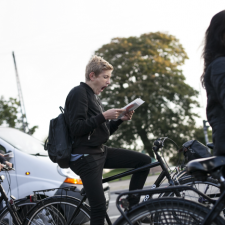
149, 67
9, 114
199, 135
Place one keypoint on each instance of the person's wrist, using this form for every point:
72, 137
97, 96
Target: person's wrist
104, 114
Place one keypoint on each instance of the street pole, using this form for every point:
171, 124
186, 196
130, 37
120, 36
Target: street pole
205, 129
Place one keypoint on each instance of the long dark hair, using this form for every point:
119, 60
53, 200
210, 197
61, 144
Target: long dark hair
214, 45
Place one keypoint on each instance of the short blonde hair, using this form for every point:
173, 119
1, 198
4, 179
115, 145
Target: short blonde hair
97, 64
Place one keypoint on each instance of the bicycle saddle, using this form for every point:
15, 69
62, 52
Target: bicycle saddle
210, 145
205, 165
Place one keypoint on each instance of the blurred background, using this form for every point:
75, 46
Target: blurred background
53, 41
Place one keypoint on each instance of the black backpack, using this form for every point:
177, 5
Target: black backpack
194, 149
59, 143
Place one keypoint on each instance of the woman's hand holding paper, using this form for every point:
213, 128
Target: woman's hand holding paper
127, 116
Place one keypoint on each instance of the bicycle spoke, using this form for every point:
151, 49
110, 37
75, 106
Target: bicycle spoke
168, 211
56, 211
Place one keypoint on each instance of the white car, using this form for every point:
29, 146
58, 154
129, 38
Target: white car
33, 168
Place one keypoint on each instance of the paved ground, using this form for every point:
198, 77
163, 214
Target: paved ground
124, 185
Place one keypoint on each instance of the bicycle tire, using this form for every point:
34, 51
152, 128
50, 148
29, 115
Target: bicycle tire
22, 206
210, 187
168, 211
59, 210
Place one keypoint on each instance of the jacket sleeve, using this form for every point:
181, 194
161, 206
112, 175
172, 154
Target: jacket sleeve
77, 108
218, 80
113, 125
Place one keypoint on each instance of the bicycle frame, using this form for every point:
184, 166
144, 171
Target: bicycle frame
163, 174
219, 205
160, 178
173, 189
9, 205
217, 208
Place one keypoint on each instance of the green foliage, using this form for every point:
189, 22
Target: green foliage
149, 67
199, 135
115, 172
9, 114
8, 111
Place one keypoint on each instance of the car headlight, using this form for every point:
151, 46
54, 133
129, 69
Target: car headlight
71, 177
73, 180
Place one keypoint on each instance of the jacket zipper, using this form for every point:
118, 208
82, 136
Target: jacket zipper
89, 136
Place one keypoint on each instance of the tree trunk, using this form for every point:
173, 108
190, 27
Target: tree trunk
146, 142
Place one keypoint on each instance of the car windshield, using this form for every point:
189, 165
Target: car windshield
22, 141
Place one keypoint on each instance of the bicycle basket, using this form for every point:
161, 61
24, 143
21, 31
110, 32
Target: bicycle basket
194, 149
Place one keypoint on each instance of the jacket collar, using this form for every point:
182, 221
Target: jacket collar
87, 87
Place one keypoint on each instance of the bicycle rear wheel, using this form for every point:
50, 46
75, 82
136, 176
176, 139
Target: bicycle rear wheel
168, 211
58, 210
22, 206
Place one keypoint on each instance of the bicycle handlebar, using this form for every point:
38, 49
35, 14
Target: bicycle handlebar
159, 142
6, 168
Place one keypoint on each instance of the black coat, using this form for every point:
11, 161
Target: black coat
215, 87
88, 127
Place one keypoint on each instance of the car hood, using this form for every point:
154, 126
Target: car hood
38, 166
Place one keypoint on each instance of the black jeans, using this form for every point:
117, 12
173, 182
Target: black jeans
90, 169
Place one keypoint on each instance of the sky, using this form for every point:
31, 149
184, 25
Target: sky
54, 40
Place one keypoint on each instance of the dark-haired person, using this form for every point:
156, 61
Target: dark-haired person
213, 79
90, 127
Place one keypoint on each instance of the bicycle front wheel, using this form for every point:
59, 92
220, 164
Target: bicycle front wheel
58, 210
210, 187
168, 211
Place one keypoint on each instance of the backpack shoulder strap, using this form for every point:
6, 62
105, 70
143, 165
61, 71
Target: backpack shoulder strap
61, 109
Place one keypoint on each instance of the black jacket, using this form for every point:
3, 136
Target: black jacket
215, 87
87, 125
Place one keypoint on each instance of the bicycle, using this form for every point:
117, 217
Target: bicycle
74, 210
15, 210
172, 211
21, 206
